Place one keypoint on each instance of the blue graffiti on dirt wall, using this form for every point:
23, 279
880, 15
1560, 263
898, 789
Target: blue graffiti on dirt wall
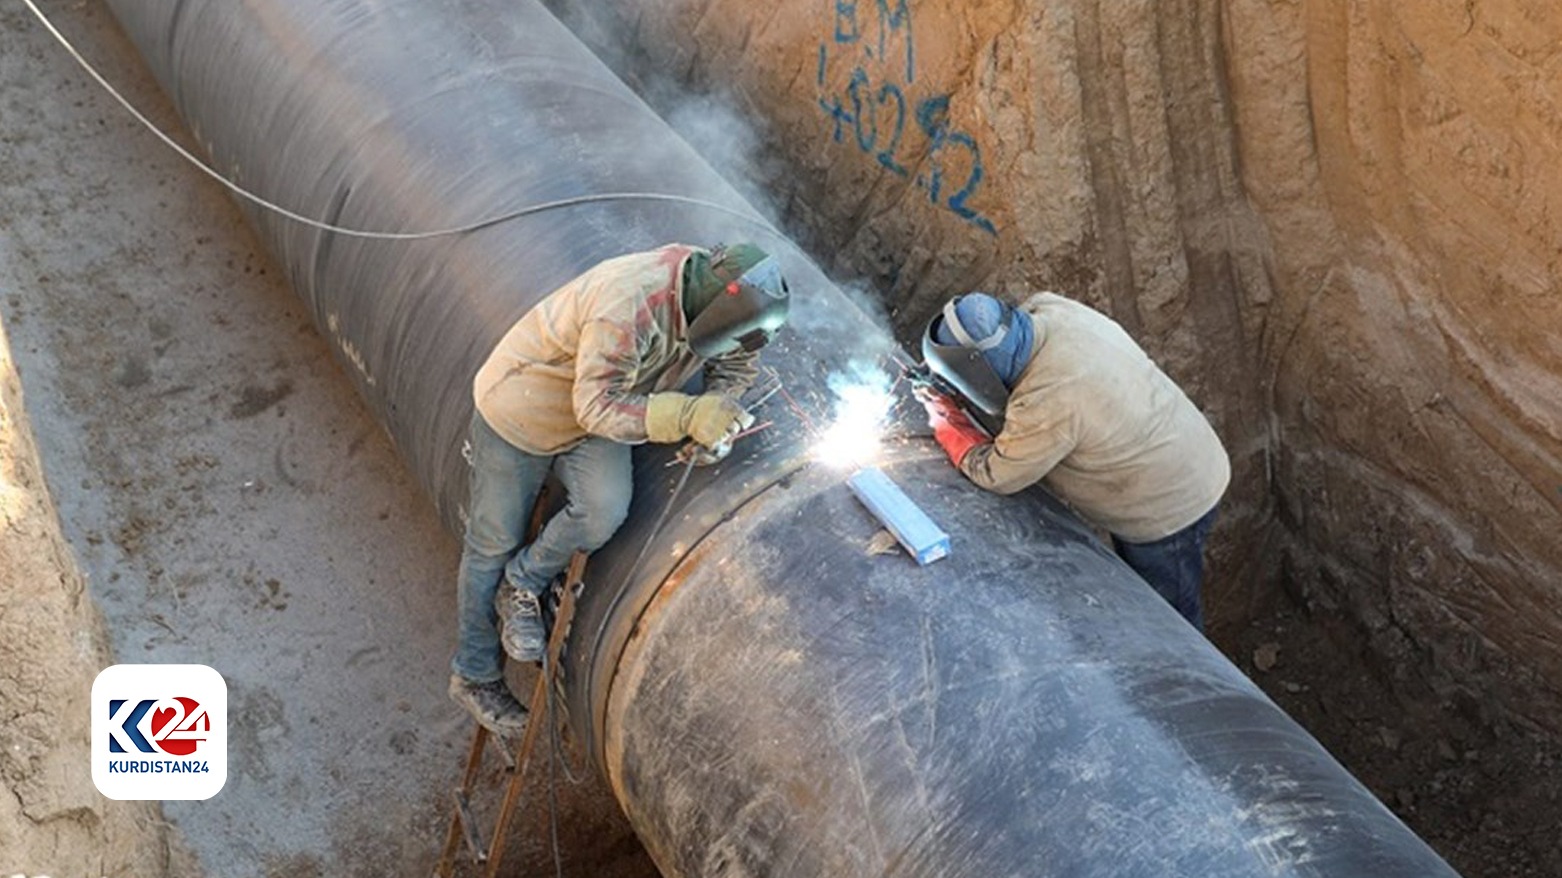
873, 108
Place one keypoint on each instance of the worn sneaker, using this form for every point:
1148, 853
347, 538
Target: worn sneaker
520, 624
491, 704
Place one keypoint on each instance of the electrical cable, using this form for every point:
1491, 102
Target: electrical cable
556, 758
556, 741
279, 210
661, 519
553, 759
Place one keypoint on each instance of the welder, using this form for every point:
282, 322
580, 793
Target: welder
1059, 393
597, 367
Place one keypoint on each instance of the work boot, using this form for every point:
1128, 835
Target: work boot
520, 624
491, 704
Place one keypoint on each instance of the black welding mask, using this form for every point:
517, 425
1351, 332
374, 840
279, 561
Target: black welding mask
963, 367
745, 314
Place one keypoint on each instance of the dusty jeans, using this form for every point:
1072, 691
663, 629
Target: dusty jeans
1173, 566
597, 478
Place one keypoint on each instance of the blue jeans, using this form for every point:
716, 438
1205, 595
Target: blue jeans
1173, 566
598, 481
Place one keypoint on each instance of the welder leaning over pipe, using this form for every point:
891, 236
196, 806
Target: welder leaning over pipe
1069, 399
594, 369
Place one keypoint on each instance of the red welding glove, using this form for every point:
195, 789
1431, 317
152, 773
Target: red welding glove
953, 430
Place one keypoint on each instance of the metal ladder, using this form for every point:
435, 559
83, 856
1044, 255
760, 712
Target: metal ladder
463, 824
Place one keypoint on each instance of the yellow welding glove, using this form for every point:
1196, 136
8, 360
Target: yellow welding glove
664, 416
716, 418
707, 419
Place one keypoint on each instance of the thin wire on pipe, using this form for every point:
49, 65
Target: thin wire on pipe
263, 203
661, 519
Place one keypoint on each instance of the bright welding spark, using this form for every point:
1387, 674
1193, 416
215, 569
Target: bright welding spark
862, 404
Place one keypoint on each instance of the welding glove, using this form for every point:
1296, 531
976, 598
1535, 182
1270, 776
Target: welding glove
707, 419
951, 428
703, 456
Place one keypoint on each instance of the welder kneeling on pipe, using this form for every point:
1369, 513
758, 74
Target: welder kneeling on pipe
592, 370
1072, 401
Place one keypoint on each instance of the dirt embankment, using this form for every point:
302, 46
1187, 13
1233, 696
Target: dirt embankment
52, 819
1403, 159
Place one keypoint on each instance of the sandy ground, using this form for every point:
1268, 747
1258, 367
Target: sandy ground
52, 643
225, 494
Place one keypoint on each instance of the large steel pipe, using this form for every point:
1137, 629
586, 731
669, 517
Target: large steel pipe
764, 696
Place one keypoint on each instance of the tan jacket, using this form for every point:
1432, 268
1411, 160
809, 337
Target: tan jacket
1104, 429
584, 359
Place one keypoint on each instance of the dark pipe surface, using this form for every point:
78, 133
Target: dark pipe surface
765, 697
1020, 708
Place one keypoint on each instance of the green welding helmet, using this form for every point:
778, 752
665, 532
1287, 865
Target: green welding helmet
745, 314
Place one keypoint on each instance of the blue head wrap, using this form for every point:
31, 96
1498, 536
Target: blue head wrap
1003, 334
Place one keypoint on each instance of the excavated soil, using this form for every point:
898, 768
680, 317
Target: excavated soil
1482, 791
52, 644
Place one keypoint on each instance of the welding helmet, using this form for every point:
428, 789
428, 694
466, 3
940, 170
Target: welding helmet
960, 351
746, 312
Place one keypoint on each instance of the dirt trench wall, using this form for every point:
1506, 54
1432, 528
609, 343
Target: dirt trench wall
1335, 224
1404, 158
1080, 146
53, 821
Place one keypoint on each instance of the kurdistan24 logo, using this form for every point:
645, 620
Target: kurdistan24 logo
173, 726
159, 732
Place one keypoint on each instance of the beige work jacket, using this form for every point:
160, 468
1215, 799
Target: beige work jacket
583, 361
1097, 422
